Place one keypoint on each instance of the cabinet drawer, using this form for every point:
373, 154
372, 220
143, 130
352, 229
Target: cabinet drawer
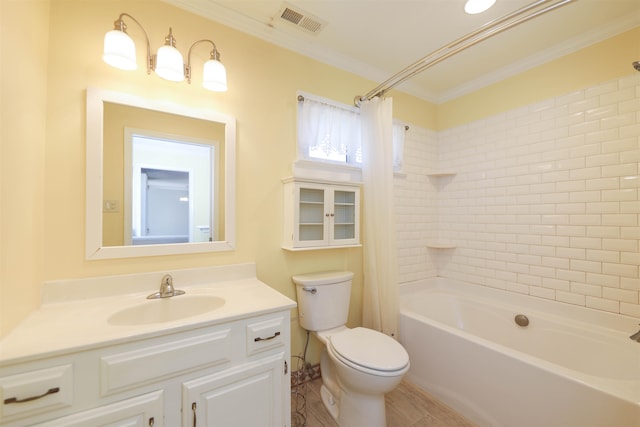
36, 391
140, 411
155, 362
265, 334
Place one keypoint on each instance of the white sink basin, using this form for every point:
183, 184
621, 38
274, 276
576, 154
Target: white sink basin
166, 310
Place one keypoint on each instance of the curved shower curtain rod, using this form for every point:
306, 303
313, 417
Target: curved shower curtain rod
488, 30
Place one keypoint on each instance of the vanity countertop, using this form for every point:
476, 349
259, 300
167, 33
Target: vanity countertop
75, 315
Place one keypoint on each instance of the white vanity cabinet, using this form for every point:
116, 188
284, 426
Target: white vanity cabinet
229, 373
320, 214
246, 396
140, 411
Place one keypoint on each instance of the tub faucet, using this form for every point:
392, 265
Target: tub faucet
636, 336
166, 289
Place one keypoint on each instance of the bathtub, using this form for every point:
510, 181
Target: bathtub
571, 366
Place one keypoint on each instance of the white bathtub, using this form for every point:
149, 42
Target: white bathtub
571, 366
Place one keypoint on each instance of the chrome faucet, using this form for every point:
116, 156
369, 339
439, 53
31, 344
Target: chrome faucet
166, 289
636, 336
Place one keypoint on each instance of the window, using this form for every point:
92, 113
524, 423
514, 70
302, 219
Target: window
330, 132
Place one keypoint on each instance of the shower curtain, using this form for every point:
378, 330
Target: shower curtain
380, 294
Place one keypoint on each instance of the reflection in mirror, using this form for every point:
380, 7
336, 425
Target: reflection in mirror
160, 178
171, 182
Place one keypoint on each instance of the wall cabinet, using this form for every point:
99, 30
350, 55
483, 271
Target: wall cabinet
320, 215
230, 374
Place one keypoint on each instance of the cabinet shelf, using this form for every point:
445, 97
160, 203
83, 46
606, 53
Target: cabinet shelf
443, 173
317, 248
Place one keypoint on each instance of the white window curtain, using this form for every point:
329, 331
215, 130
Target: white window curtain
331, 131
330, 128
399, 131
380, 293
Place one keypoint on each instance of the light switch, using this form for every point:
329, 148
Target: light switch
111, 206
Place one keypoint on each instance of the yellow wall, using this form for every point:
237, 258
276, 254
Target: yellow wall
23, 75
263, 80
595, 64
45, 73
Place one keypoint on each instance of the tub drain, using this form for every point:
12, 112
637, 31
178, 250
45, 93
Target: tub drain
521, 320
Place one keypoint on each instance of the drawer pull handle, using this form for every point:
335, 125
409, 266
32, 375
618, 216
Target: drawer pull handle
29, 399
268, 338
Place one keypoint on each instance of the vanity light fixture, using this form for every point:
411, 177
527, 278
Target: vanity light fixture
120, 52
473, 7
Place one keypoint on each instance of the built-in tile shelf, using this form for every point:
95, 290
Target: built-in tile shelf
444, 173
440, 244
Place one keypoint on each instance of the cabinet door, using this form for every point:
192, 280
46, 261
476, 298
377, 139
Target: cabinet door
141, 411
344, 214
311, 216
245, 396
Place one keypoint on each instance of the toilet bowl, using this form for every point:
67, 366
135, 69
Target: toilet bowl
359, 366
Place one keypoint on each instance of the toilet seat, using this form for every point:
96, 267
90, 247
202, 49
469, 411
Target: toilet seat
369, 351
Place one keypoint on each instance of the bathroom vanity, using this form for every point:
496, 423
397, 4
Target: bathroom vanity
94, 355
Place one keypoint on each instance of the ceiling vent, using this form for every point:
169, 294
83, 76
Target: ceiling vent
301, 19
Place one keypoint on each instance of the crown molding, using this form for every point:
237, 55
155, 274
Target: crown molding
572, 45
305, 45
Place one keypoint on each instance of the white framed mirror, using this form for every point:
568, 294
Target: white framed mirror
160, 177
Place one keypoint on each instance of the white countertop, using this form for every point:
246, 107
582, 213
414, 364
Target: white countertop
74, 314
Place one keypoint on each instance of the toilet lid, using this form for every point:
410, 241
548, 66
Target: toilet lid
371, 349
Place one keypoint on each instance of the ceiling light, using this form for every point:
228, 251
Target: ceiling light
168, 63
473, 7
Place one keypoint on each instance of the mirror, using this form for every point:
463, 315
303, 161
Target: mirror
160, 178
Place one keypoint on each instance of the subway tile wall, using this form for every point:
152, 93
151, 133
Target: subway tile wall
416, 206
545, 200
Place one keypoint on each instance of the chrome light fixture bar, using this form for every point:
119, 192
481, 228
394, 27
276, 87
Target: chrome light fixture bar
168, 63
488, 30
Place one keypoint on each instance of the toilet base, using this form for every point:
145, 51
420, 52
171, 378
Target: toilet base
355, 410
330, 403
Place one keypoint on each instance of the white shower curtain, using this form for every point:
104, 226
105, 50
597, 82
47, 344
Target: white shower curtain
380, 295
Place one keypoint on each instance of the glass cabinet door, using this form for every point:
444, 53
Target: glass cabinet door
311, 224
344, 215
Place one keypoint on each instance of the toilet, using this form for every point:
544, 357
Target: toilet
359, 366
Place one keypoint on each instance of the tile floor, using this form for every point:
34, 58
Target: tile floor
407, 406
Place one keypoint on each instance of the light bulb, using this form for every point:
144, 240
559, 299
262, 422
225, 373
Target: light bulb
214, 76
169, 64
119, 50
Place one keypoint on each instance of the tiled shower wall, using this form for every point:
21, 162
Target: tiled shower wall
416, 206
545, 200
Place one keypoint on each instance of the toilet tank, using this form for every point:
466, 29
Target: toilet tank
323, 299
